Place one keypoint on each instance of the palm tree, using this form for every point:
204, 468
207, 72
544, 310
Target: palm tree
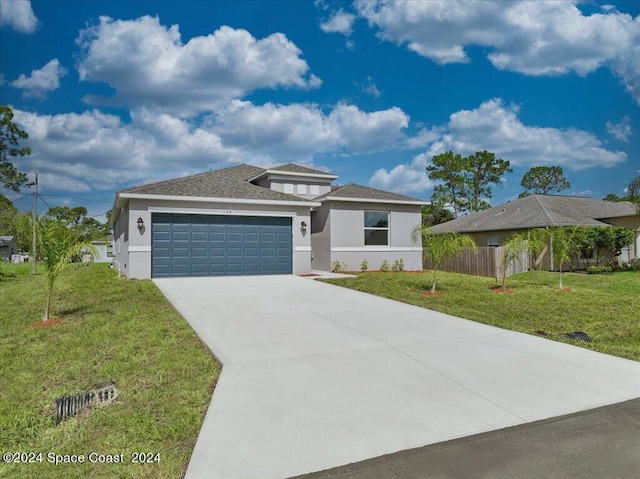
512, 252
634, 191
58, 245
563, 246
439, 246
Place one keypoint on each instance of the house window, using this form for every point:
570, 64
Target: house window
314, 189
301, 189
288, 188
376, 228
492, 240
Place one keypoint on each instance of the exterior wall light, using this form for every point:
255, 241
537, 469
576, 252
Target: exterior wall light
303, 227
140, 223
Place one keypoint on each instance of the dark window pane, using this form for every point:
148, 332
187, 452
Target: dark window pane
376, 219
376, 237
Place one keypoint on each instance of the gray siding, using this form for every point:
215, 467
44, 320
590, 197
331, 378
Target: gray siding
321, 239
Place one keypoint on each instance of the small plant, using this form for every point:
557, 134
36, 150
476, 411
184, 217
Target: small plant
338, 267
398, 265
599, 269
364, 266
384, 267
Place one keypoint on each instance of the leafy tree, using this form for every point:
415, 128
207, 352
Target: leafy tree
482, 170
439, 247
8, 213
448, 168
542, 180
76, 218
465, 181
434, 214
10, 136
58, 245
606, 242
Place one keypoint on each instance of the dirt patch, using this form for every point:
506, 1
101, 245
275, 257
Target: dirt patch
500, 290
309, 275
429, 294
46, 324
565, 290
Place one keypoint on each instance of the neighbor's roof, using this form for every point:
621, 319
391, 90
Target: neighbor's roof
539, 211
354, 191
6, 238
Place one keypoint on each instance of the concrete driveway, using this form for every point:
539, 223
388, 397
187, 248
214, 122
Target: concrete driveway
317, 376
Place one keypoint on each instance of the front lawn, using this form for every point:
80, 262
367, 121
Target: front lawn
111, 330
606, 307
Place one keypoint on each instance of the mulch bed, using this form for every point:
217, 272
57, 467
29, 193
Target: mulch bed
499, 290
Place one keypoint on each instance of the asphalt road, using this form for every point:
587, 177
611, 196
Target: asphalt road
602, 443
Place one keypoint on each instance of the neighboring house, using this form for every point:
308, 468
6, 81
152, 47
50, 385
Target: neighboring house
493, 227
8, 247
246, 220
103, 251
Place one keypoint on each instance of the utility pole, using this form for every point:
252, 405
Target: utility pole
35, 219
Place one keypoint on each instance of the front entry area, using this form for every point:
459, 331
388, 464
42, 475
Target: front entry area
219, 245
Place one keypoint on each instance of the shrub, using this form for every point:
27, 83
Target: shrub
398, 265
338, 267
401, 265
599, 269
364, 266
384, 267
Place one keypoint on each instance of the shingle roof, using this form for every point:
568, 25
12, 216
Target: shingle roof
538, 211
352, 190
225, 183
293, 168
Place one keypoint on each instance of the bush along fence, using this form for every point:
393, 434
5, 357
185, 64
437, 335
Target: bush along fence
485, 261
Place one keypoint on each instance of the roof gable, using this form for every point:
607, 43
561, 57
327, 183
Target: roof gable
294, 168
354, 191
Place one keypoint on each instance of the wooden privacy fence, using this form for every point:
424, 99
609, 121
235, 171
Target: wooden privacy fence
485, 261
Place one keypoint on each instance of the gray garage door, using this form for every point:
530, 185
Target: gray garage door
199, 245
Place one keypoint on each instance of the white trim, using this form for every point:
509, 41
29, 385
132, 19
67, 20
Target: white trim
293, 173
200, 211
205, 199
140, 249
302, 248
371, 200
386, 249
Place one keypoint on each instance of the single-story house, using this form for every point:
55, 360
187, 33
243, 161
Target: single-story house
492, 227
8, 247
247, 220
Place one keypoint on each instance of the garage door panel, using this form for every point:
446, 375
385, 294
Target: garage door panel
213, 245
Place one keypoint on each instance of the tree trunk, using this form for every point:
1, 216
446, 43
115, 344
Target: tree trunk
433, 283
47, 305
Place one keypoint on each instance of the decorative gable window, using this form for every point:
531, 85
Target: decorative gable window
314, 189
376, 228
288, 188
301, 189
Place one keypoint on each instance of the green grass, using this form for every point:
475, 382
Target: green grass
606, 307
111, 330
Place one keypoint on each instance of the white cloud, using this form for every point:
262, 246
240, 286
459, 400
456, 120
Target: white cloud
533, 38
300, 131
370, 88
148, 64
98, 151
496, 128
18, 14
404, 178
621, 130
42, 81
339, 22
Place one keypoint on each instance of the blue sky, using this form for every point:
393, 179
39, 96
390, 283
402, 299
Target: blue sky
118, 93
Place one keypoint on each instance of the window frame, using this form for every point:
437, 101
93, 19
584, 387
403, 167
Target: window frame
377, 228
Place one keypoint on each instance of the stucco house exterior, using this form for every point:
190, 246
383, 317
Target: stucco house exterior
492, 227
247, 220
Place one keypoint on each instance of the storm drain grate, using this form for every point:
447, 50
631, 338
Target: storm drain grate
68, 406
579, 336
576, 335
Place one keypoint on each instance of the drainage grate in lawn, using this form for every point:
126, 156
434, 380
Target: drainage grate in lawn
68, 406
